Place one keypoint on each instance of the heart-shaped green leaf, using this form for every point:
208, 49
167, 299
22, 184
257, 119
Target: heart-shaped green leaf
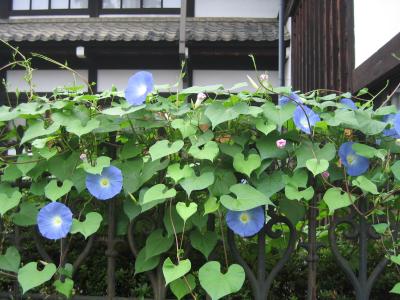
204, 242
265, 126
211, 205
158, 192
172, 272
9, 198
246, 166
278, 114
27, 214
157, 243
29, 276
64, 288
196, 183
26, 163
366, 185
395, 289
185, 127
143, 265
218, 285
163, 148
218, 113
78, 129
185, 212
176, 173
38, 129
247, 197
101, 163
317, 166
180, 288
89, 226
11, 260
209, 151
335, 198
121, 111
54, 192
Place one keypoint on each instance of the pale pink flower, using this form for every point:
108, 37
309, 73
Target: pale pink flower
83, 156
264, 77
325, 174
281, 143
200, 98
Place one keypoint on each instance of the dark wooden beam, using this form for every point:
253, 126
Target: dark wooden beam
381, 66
5, 8
190, 8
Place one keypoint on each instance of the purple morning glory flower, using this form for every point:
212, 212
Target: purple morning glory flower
246, 223
300, 115
349, 103
106, 185
54, 221
283, 100
139, 86
391, 132
355, 164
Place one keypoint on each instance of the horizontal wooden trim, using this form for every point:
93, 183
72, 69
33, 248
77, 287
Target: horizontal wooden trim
379, 67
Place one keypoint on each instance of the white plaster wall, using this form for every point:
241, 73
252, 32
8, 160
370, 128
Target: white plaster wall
237, 8
119, 78
44, 80
375, 23
228, 78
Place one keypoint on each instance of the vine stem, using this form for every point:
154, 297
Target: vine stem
174, 230
223, 239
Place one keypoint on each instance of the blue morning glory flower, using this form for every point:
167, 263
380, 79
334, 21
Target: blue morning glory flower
349, 103
396, 123
139, 86
300, 115
106, 185
54, 221
390, 132
355, 164
283, 100
246, 223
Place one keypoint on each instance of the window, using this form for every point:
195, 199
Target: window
141, 4
27, 7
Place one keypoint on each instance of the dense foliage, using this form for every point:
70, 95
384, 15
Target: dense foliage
184, 167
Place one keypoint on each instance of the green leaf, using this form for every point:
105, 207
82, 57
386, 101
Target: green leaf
247, 198
89, 226
101, 163
365, 184
294, 210
130, 149
157, 243
131, 174
270, 184
158, 192
211, 205
209, 151
395, 168
317, 166
163, 148
27, 214
37, 129
395, 289
265, 126
196, 183
294, 183
224, 179
266, 146
218, 285
131, 209
335, 198
121, 111
395, 259
47, 153
11, 173
176, 173
278, 114
381, 227
172, 272
29, 276
54, 192
185, 127
180, 288
11, 260
307, 150
65, 288
205, 243
143, 265
246, 166
9, 198
218, 113
365, 150
26, 163
185, 212
78, 129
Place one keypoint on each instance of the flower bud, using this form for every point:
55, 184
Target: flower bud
281, 143
83, 156
264, 77
200, 98
325, 174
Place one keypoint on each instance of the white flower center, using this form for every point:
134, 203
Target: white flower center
244, 218
141, 89
304, 122
57, 221
104, 182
